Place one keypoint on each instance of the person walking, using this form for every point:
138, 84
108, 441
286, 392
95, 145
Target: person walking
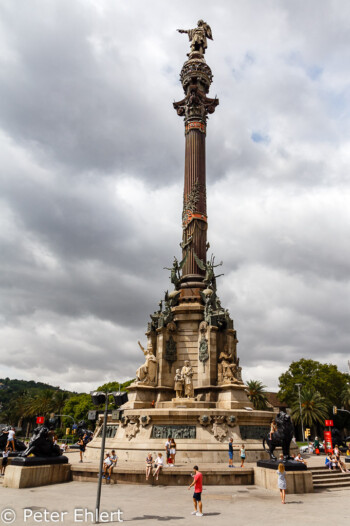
230, 453
197, 495
282, 483
317, 446
242, 455
81, 445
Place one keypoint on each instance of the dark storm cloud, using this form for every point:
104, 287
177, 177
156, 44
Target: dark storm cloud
92, 154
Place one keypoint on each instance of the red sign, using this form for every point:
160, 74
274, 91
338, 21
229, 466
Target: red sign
328, 446
328, 423
40, 419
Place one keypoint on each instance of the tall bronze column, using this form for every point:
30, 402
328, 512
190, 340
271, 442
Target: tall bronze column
196, 78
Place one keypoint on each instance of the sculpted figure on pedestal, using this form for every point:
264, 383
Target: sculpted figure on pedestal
227, 369
147, 373
175, 271
179, 384
187, 373
198, 36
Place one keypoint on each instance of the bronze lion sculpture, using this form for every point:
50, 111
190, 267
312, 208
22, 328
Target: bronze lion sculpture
280, 438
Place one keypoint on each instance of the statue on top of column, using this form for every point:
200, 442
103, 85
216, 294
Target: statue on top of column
198, 36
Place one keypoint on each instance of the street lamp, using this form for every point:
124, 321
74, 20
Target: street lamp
301, 412
98, 398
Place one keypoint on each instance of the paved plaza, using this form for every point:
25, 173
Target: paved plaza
222, 505
149, 505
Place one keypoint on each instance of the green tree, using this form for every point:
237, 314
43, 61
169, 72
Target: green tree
114, 386
77, 406
314, 408
256, 394
314, 376
40, 404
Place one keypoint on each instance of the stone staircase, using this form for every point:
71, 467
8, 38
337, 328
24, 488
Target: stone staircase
324, 479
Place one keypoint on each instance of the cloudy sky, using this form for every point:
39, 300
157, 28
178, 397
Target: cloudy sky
91, 180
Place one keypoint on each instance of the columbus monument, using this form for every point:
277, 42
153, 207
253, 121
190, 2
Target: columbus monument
189, 385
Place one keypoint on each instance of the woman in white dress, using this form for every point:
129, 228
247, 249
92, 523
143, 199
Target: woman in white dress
282, 483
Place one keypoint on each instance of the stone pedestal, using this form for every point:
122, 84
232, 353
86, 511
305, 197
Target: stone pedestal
32, 476
297, 481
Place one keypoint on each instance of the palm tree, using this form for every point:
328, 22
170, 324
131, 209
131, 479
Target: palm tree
257, 395
345, 397
314, 408
59, 399
41, 404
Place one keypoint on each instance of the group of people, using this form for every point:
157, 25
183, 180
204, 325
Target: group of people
230, 454
335, 461
157, 464
109, 462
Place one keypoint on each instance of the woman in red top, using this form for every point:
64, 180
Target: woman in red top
198, 488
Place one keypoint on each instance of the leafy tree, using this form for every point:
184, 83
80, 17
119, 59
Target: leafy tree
114, 386
77, 406
314, 408
257, 395
314, 376
41, 404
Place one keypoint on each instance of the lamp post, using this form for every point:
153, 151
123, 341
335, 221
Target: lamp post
98, 398
301, 412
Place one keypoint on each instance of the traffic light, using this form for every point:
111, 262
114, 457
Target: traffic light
335, 410
307, 433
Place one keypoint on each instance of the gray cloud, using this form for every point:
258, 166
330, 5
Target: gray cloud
92, 156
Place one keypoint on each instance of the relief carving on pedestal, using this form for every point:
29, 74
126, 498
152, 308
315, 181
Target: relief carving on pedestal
145, 420
219, 431
203, 354
132, 429
204, 420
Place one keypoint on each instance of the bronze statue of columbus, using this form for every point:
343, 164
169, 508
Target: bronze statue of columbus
198, 36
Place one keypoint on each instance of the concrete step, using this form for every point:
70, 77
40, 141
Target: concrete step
341, 477
332, 485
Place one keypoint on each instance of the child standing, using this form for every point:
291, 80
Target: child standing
5, 455
282, 483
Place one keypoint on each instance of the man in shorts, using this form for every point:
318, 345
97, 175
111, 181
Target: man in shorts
197, 495
230, 453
